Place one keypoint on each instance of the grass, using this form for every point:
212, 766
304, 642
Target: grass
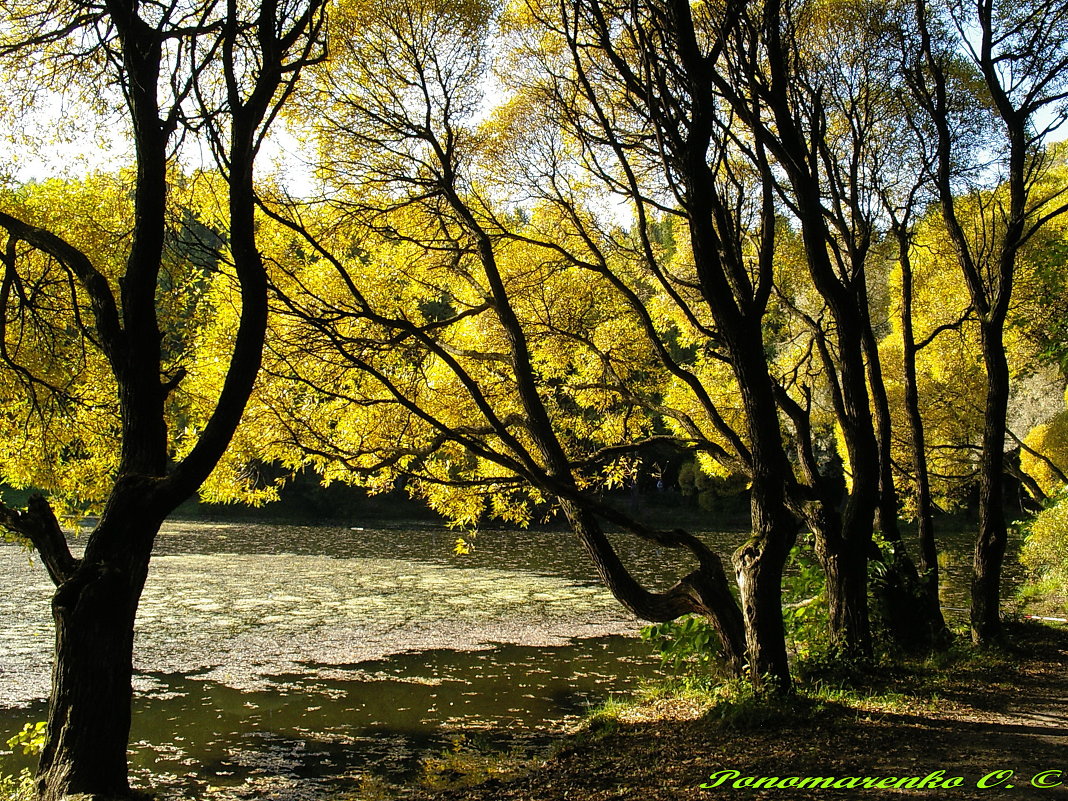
885, 685
1043, 596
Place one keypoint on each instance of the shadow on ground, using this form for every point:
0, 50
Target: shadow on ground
985, 721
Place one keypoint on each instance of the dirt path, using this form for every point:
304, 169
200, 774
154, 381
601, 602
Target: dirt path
986, 719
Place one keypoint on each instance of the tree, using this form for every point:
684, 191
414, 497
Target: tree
437, 343
1018, 54
91, 370
630, 88
820, 105
904, 189
608, 100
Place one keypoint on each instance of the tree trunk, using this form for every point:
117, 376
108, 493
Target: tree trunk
928, 549
917, 440
886, 511
993, 535
738, 302
908, 607
912, 616
89, 708
704, 591
759, 566
845, 565
759, 563
908, 603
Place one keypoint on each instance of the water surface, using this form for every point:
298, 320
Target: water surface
285, 661
288, 662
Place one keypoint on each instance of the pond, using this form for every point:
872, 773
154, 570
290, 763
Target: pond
281, 661
286, 662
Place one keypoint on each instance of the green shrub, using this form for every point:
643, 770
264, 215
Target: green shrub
687, 644
17, 788
1045, 555
467, 762
805, 601
31, 738
690, 645
21, 787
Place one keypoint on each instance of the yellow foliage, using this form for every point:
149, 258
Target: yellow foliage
1051, 440
60, 430
1045, 548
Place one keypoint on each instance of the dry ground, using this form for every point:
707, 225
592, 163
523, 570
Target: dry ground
1008, 712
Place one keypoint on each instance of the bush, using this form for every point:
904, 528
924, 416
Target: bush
21, 787
17, 788
1045, 555
805, 601
688, 644
469, 762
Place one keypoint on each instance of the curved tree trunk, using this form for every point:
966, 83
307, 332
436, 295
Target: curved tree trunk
705, 591
988, 263
695, 136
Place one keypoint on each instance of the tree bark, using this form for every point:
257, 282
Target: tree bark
759, 567
993, 533
917, 441
845, 565
760, 562
94, 606
89, 707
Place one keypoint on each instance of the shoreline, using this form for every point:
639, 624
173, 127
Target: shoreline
994, 724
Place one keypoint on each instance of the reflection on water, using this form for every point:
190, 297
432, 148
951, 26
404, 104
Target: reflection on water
245, 618
320, 728
239, 604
